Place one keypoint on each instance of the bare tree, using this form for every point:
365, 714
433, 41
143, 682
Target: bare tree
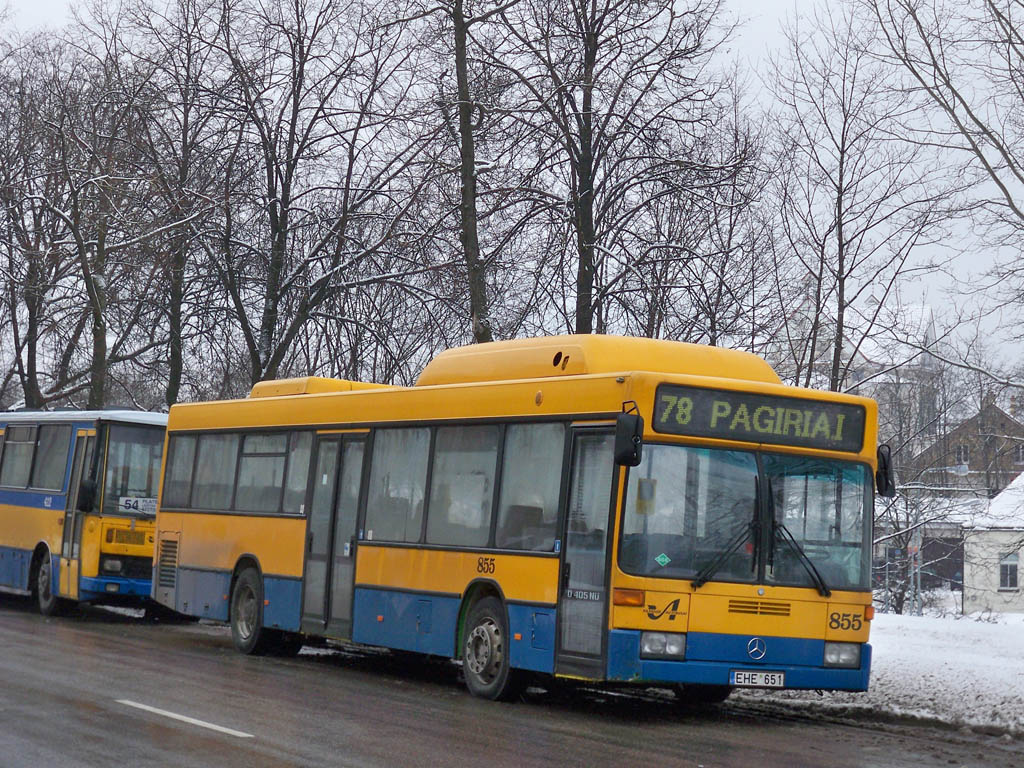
321, 176
44, 326
856, 202
964, 66
182, 141
613, 92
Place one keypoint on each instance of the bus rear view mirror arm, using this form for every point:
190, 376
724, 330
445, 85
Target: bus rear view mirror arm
885, 481
629, 436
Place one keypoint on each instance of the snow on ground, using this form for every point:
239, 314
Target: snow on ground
967, 671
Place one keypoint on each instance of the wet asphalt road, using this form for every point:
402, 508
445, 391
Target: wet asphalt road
73, 692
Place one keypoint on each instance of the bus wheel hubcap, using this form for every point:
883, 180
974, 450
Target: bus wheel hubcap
44, 580
483, 650
246, 613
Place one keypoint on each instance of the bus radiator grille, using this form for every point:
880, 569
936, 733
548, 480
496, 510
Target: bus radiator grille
759, 607
167, 568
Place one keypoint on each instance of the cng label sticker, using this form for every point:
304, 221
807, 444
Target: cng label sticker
663, 559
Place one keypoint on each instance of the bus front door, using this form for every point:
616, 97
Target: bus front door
583, 597
71, 536
332, 501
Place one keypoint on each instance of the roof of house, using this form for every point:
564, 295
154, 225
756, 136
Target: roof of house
1006, 510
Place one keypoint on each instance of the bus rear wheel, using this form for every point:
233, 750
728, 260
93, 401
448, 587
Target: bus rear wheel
485, 653
42, 588
247, 630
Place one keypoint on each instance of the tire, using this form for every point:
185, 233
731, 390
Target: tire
485, 653
247, 630
42, 588
698, 695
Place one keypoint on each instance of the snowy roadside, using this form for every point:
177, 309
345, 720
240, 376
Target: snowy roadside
965, 671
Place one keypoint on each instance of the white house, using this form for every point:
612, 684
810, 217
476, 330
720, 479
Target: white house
994, 554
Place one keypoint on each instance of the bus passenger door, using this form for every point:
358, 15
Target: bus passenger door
583, 597
319, 502
343, 565
72, 533
330, 544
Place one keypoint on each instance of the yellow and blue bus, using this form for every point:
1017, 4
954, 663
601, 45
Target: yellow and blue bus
78, 493
600, 508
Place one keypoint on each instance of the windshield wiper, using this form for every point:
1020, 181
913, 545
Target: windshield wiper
751, 529
786, 536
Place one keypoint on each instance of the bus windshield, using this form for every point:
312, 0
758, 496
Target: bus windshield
825, 508
132, 475
687, 507
697, 513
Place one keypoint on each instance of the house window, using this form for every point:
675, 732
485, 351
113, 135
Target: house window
963, 454
1008, 572
1018, 453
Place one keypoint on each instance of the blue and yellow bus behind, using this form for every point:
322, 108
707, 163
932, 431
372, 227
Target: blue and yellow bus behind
590, 507
77, 502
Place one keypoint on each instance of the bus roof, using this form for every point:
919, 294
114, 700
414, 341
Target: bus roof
131, 417
589, 354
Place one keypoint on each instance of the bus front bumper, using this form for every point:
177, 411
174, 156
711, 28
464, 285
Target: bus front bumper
712, 659
107, 587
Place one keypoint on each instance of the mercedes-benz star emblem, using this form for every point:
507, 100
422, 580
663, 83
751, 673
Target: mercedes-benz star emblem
756, 648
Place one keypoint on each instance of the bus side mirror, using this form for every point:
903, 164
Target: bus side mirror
885, 482
629, 439
86, 496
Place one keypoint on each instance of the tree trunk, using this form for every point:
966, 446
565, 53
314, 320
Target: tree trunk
475, 271
584, 198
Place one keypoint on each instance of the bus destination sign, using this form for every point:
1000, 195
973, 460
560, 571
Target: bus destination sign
754, 418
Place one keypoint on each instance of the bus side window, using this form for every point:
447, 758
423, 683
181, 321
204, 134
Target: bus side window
261, 472
299, 450
51, 462
398, 479
531, 478
16, 462
462, 485
178, 481
215, 472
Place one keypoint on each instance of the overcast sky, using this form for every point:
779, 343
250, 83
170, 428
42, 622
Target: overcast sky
760, 30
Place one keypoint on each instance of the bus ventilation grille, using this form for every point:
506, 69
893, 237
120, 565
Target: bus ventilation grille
168, 566
759, 607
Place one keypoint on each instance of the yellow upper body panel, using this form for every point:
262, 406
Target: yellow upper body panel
551, 356
613, 371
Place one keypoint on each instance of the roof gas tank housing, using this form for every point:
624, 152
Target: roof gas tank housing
576, 355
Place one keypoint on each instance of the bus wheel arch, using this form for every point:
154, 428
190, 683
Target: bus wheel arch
485, 645
245, 609
41, 582
477, 590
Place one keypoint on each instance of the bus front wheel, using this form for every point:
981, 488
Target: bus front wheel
485, 653
247, 630
42, 587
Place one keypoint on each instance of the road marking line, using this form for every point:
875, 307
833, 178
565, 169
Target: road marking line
184, 719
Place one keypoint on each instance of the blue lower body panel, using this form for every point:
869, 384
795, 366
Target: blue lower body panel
412, 621
207, 594
202, 593
711, 658
282, 608
97, 589
14, 567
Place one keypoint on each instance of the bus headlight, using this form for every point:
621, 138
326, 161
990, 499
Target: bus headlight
112, 565
842, 655
662, 645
